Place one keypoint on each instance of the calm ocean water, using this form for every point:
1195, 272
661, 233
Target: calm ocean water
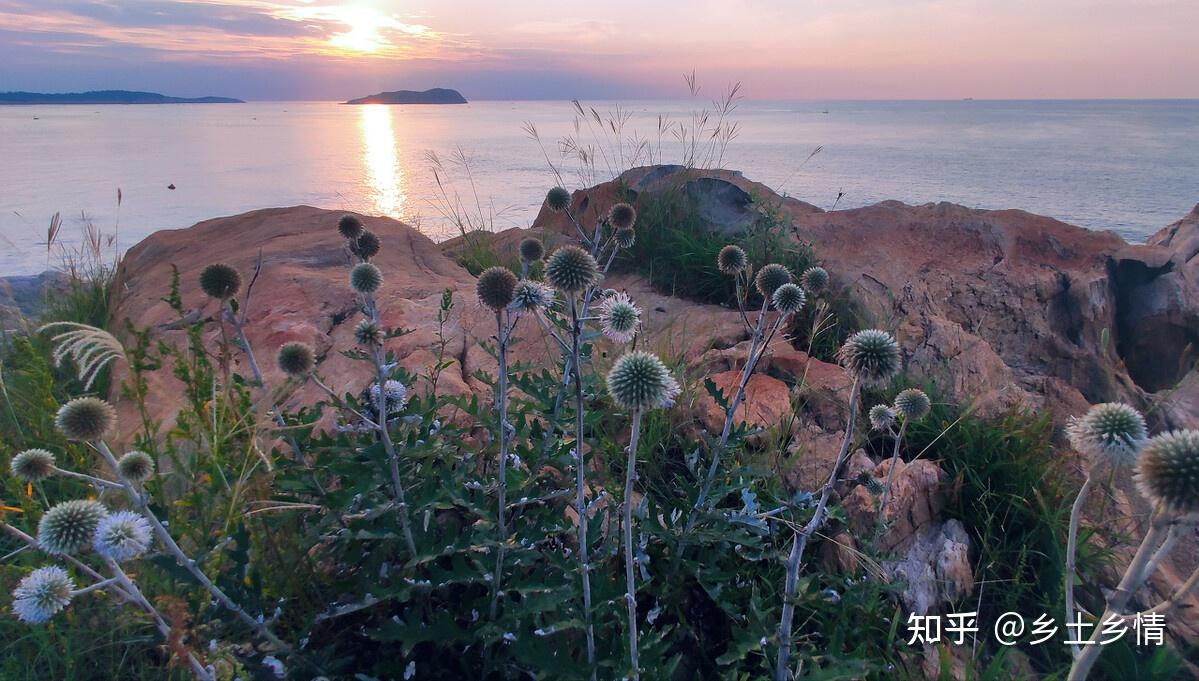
1128, 166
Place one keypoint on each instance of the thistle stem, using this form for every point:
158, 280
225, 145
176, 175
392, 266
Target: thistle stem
501, 401
1072, 550
576, 331
882, 506
630, 584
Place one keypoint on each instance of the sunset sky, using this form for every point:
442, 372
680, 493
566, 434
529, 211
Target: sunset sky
532, 49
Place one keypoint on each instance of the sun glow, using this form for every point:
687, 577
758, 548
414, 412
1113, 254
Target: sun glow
380, 159
367, 30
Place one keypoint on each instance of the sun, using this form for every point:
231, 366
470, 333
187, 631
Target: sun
365, 30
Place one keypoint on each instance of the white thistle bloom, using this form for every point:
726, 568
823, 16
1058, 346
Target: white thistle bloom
530, 297
121, 536
42, 594
619, 317
396, 396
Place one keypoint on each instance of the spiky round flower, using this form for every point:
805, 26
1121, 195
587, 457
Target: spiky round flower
69, 527
365, 278
530, 296
913, 404
882, 417
871, 355
220, 281
136, 466
366, 246
296, 359
625, 238
558, 199
494, 287
732, 259
350, 226
531, 249
619, 317
814, 279
1168, 470
622, 216
1112, 433
85, 419
788, 299
770, 277
32, 465
571, 269
121, 536
639, 380
368, 333
42, 594
395, 396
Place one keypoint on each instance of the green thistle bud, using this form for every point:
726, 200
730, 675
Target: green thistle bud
368, 333
788, 299
622, 216
32, 465
732, 259
136, 467
814, 279
531, 250
625, 238
365, 278
1168, 471
69, 527
85, 419
349, 226
42, 594
872, 356
366, 246
913, 404
571, 269
558, 199
220, 281
1111, 433
639, 380
770, 278
494, 287
296, 359
882, 417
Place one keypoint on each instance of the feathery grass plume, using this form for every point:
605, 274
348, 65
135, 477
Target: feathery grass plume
531, 250
68, 527
122, 536
558, 199
530, 296
913, 404
640, 380
770, 277
732, 260
367, 332
871, 355
494, 287
622, 216
571, 269
1168, 471
619, 317
220, 281
85, 419
366, 246
296, 359
1111, 433
136, 466
32, 465
365, 278
814, 279
42, 594
788, 299
350, 226
625, 238
91, 348
882, 417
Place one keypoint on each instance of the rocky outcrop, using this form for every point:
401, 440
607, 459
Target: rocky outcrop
22, 297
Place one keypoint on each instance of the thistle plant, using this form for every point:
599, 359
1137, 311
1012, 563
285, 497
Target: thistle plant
619, 318
42, 594
531, 251
910, 405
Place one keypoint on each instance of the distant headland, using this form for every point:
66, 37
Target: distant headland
437, 95
107, 97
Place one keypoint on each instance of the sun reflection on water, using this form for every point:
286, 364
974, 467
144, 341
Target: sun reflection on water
381, 160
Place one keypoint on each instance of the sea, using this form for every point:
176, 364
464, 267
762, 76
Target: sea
123, 172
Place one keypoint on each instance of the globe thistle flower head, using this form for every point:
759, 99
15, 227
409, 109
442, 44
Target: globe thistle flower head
85, 419
1112, 433
530, 296
882, 417
531, 250
913, 404
368, 333
494, 287
121, 536
365, 278
366, 246
571, 269
220, 281
558, 199
42, 594
1168, 471
350, 226
732, 259
871, 356
625, 238
32, 465
619, 317
639, 380
814, 279
622, 216
136, 466
770, 277
296, 359
788, 299
395, 396
68, 527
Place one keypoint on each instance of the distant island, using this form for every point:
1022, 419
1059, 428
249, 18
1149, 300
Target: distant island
437, 95
107, 97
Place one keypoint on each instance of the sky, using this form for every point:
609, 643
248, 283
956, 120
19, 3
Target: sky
534, 49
